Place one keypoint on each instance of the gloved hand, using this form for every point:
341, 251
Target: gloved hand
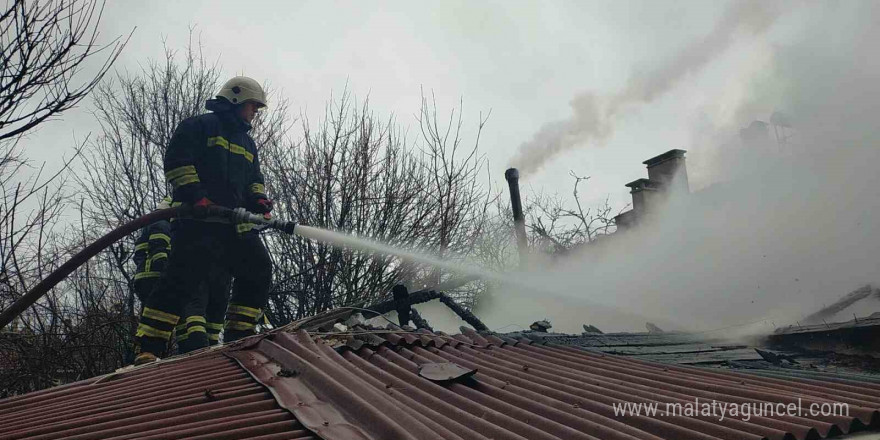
200, 208
263, 206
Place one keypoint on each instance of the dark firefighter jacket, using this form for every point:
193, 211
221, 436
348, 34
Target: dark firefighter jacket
213, 156
151, 250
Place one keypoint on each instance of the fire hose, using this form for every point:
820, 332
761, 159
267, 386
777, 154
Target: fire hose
214, 212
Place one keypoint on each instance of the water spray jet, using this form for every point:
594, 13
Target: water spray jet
362, 244
536, 284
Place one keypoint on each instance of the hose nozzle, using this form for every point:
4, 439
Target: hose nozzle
241, 215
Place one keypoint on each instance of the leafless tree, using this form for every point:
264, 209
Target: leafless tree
44, 46
352, 174
358, 173
84, 327
32, 206
559, 227
455, 189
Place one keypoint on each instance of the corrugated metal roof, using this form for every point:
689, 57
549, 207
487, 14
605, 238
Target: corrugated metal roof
526, 390
366, 384
201, 397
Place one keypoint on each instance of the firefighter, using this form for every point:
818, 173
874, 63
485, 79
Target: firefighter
151, 253
212, 159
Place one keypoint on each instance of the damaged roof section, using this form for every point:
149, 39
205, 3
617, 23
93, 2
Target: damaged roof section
860, 336
855, 302
678, 348
837, 328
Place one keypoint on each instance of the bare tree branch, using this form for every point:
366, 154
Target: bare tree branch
44, 46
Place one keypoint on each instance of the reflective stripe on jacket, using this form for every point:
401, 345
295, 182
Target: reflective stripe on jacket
151, 250
212, 155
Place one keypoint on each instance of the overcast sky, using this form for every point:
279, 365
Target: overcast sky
524, 61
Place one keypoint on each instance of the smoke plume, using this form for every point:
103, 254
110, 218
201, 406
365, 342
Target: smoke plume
788, 225
594, 116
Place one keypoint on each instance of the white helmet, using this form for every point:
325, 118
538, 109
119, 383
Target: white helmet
242, 89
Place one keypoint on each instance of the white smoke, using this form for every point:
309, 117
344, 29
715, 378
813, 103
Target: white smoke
788, 228
594, 116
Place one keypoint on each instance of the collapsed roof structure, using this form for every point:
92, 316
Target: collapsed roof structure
831, 330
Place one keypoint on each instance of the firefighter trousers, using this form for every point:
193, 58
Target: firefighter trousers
199, 251
210, 302
143, 288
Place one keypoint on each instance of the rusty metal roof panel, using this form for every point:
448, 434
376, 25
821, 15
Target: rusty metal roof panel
525, 390
201, 397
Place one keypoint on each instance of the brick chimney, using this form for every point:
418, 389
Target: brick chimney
644, 194
667, 176
668, 171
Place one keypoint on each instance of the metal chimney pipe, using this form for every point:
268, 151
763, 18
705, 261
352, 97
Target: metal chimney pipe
519, 221
402, 305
